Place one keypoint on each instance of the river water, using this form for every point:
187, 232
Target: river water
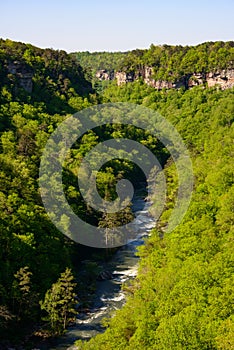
109, 295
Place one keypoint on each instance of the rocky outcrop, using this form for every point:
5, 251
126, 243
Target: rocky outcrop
103, 74
157, 84
23, 73
123, 77
222, 78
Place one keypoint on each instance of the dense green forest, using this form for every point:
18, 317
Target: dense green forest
183, 295
33, 252
169, 63
94, 61
173, 62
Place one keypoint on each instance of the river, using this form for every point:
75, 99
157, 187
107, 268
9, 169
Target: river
109, 295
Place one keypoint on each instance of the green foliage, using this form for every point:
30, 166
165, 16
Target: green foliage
172, 63
99, 60
93, 62
59, 302
183, 295
36, 75
24, 298
111, 221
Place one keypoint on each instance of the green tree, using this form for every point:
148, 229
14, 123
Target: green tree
112, 221
59, 302
24, 298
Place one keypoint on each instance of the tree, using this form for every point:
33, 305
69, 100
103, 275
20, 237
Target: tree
59, 302
5, 316
112, 222
24, 298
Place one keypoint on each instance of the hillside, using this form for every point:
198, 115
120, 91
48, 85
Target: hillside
37, 75
183, 295
166, 66
182, 298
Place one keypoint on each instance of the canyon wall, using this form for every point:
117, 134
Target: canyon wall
222, 78
23, 73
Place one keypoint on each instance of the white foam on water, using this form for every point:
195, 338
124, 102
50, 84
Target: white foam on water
138, 222
130, 272
150, 225
141, 212
91, 316
119, 297
143, 218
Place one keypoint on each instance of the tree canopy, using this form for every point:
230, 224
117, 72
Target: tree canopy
182, 297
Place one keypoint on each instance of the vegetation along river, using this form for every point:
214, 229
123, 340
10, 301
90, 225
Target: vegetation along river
109, 295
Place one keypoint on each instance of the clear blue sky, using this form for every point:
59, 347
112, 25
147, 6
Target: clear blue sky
89, 25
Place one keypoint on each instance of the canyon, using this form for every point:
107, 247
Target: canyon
222, 78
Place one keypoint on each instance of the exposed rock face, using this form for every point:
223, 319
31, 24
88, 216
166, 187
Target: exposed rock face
25, 74
123, 77
196, 79
224, 79
148, 76
26, 81
105, 75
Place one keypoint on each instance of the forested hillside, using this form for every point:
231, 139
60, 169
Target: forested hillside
173, 62
183, 296
33, 75
164, 66
94, 61
39, 90
35, 84
100, 67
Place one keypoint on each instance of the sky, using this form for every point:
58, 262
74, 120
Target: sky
122, 25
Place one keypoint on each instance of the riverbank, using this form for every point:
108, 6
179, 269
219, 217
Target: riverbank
109, 295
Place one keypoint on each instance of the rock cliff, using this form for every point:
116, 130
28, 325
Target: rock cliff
222, 78
23, 73
103, 74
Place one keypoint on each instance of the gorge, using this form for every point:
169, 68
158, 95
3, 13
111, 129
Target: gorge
182, 294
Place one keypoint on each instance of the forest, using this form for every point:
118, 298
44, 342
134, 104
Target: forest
169, 63
183, 295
